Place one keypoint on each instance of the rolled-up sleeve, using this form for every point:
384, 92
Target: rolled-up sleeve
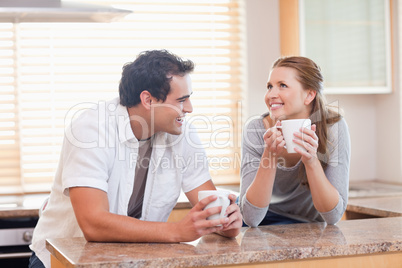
337, 170
252, 149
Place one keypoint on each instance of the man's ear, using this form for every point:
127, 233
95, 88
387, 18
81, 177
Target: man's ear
310, 96
146, 99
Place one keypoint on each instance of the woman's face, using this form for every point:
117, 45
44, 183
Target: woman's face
285, 97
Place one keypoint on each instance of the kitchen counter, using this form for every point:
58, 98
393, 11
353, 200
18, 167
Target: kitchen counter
17, 206
390, 206
28, 205
18, 212
359, 189
363, 243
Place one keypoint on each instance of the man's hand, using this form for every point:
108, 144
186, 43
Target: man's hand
195, 223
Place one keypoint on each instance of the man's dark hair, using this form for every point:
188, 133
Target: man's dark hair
151, 71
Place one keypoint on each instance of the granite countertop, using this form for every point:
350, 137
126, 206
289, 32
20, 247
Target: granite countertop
390, 206
16, 206
252, 245
360, 189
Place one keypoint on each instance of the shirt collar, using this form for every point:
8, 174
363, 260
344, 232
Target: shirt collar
125, 132
123, 125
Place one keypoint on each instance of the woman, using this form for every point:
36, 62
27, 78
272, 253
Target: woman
307, 186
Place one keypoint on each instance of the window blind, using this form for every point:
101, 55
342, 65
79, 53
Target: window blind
49, 72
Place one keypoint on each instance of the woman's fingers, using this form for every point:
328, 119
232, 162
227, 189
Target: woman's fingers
308, 139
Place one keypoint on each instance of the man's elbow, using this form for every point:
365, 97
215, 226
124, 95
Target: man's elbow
90, 234
91, 231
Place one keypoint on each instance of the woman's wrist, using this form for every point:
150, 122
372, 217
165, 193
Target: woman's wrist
268, 160
313, 168
312, 163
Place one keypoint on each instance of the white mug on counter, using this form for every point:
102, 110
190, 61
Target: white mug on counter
291, 126
222, 201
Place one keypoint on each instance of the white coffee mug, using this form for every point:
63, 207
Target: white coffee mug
222, 201
289, 127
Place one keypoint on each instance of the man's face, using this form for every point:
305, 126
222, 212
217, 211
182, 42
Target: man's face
168, 116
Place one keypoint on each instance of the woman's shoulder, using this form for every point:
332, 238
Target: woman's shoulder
340, 125
339, 131
256, 122
254, 129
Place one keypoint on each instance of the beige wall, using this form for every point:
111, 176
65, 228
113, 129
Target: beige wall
376, 146
263, 47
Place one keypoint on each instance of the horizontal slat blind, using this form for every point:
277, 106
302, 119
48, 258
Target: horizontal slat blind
49, 72
10, 172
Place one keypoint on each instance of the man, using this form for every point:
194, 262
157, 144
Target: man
125, 162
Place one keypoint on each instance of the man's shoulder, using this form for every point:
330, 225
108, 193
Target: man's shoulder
94, 111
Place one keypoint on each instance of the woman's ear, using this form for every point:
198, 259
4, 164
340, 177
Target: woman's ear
146, 99
310, 96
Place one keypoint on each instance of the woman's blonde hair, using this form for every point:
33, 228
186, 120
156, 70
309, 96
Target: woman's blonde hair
310, 77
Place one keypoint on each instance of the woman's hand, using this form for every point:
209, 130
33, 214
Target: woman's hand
307, 139
232, 227
274, 142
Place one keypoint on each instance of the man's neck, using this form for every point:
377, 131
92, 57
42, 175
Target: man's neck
140, 123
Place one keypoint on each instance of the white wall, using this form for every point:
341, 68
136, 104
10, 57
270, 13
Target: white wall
375, 139
388, 127
360, 114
